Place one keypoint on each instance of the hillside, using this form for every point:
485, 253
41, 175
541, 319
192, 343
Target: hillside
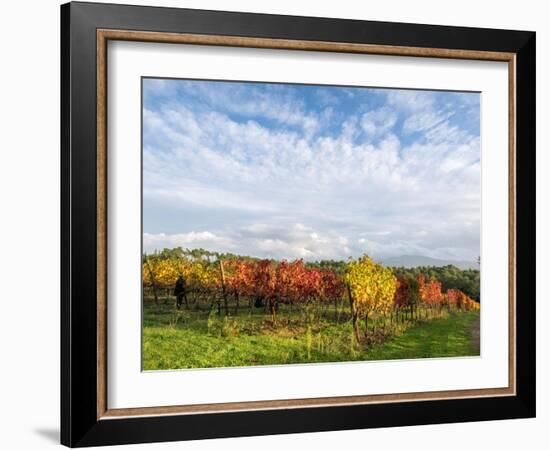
410, 261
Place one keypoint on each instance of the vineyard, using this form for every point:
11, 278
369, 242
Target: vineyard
243, 311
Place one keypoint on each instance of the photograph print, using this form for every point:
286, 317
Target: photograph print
296, 224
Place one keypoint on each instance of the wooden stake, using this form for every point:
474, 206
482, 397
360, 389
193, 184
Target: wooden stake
353, 312
153, 281
224, 294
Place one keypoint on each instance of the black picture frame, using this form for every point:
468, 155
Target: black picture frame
80, 425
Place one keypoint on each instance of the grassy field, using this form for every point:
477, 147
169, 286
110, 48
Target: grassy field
181, 339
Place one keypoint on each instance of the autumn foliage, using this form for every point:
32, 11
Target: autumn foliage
460, 300
433, 294
371, 288
368, 288
402, 293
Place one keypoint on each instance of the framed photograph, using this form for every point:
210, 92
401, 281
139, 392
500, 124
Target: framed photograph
277, 224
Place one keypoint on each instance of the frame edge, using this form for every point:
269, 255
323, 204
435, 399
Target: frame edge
80, 430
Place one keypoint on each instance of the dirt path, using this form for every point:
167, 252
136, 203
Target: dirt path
473, 330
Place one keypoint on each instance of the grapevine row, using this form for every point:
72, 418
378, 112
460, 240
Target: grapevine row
369, 288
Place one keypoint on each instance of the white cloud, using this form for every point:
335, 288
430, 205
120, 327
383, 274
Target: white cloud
296, 241
291, 193
421, 121
410, 100
249, 101
378, 121
204, 239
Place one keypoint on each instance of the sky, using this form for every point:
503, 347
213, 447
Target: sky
307, 171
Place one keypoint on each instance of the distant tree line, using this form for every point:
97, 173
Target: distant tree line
450, 277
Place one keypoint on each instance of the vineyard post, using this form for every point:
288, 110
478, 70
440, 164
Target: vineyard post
153, 280
224, 293
272, 307
236, 293
353, 312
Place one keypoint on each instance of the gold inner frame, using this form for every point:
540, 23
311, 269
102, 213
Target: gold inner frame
104, 35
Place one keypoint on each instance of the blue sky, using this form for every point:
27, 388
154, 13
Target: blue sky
314, 172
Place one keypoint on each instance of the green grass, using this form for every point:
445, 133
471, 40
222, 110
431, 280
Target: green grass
451, 336
194, 339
